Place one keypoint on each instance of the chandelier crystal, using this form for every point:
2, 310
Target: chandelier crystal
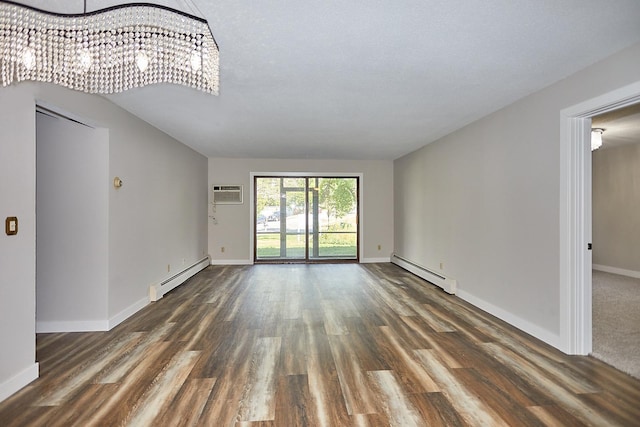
109, 50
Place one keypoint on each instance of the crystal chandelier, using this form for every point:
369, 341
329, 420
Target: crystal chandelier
108, 50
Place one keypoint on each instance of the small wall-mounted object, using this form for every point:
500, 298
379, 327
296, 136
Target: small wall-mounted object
11, 225
117, 182
227, 194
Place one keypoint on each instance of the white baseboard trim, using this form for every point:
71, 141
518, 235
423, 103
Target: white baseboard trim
374, 260
18, 381
448, 284
92, 325
616, 270
524, 325
127, 312
44, 327
231, 262
156, 291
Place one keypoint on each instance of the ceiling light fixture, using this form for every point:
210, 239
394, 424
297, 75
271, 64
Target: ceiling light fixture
109, 50
596, 138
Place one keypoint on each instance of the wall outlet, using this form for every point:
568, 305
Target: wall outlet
379, 247
222, 249
441, 265
168, 268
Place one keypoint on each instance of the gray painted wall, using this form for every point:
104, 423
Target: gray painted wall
158, 218
616, 207
232, 230
17, 253
485, 200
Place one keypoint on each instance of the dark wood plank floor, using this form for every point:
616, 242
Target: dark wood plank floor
315, 345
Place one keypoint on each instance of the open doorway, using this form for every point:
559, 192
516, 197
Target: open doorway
575, 215
306, 218
616, 233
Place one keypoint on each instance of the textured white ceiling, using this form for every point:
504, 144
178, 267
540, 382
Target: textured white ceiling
371, 79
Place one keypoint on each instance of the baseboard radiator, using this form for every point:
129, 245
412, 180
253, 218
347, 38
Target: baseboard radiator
447, 284
159, 289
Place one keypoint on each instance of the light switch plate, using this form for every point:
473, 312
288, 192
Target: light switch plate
11, 225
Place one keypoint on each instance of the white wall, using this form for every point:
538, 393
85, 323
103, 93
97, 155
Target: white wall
234, 221
485, 201
616, 208
157, 218
72, 226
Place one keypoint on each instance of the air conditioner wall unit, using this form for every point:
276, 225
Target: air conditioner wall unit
227, 194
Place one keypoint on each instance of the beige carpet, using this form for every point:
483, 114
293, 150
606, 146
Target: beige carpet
616, 321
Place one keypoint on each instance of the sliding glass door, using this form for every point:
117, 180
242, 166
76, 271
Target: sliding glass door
300, 219
280, 220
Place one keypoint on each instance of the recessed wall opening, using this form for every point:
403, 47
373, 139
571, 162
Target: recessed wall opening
71, 224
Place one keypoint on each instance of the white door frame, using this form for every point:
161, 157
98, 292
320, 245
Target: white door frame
575, 215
